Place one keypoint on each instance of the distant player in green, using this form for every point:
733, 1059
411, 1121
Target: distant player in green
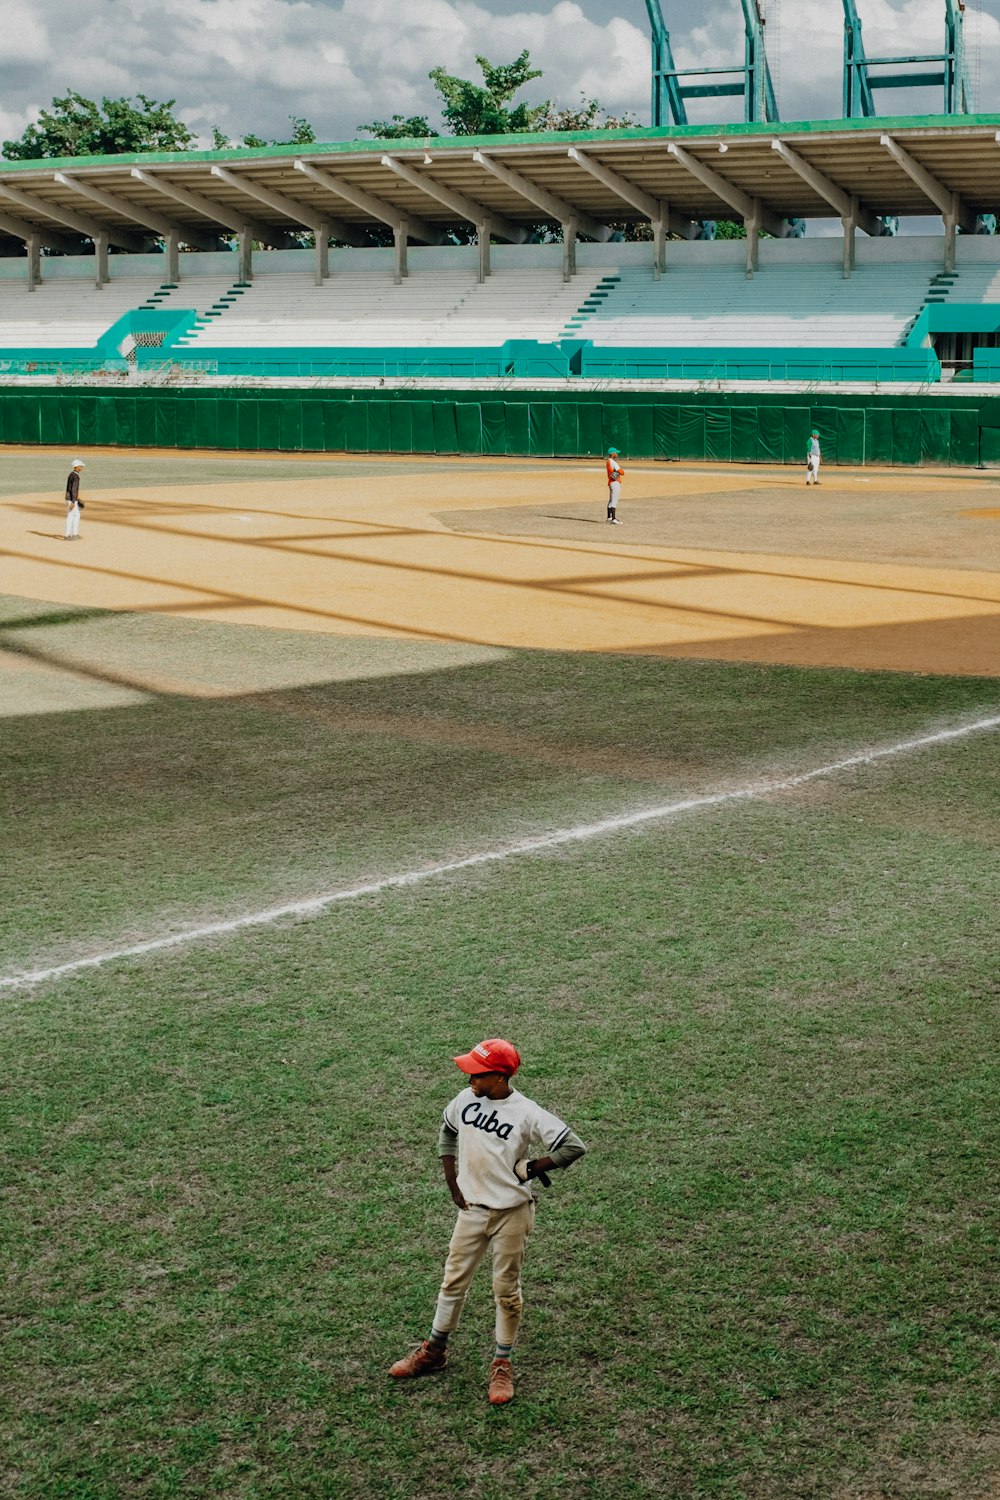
615, 475
493, 1129
812, 458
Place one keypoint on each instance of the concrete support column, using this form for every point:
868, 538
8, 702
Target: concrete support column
399, 238
752, 225
483, 243
659, 227
244, 243
322, 236
33, 250
100, 261
173, 244
850, 226
570, 229
951, 233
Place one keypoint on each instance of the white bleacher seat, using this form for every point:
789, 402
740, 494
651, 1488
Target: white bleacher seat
704, 300
63, 314
358, 309
974, 284
811, 306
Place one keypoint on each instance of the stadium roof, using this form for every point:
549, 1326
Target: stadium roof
906, 166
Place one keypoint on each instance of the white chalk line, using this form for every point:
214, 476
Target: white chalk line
580, 833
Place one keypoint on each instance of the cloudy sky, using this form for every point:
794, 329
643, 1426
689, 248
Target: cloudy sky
247, 65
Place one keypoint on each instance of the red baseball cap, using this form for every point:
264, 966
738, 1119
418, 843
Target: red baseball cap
492, 1056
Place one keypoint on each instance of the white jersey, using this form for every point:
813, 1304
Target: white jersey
494, 1134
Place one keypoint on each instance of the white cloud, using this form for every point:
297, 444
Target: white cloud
260, 61
247, 65
25, 41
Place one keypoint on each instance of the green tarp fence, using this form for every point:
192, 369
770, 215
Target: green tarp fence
650, 363
743, 428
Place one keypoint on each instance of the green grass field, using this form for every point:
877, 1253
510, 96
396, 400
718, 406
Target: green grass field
775, 1022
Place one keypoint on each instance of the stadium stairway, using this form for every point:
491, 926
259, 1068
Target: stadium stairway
960, 320
970, 285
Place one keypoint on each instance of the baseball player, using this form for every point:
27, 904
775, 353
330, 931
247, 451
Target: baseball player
812, 458
493, 1128
74, 504
615, 475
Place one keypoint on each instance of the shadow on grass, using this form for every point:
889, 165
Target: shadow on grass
55, 617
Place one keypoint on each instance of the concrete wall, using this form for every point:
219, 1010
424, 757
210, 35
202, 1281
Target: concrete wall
899, 250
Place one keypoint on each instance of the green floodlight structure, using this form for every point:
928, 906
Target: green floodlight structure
752, 81
951, 70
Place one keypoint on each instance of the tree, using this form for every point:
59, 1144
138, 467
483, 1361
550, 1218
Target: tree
414, 128
302, 135
587, 115
75, 126
481, 109
473, 108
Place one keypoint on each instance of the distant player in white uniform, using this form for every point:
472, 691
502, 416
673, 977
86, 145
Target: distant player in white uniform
615, 475
74, 504
493, 1128
812, 459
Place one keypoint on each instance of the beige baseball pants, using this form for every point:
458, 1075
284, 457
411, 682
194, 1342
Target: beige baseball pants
503, 1230
72, 520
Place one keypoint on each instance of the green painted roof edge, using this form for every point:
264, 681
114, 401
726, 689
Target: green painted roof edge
442, 143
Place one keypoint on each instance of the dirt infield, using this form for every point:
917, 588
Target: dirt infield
852, 519
876, 570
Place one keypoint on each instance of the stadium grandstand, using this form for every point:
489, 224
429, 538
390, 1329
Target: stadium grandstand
571, 266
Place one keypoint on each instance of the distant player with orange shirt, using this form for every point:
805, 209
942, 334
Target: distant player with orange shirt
615, 475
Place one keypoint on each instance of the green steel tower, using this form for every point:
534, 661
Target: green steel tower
950, 69
752, 81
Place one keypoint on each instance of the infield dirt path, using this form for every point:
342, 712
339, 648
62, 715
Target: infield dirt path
878, 570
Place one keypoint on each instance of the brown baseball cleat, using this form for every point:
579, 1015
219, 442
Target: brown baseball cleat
424, 1360
501, 1382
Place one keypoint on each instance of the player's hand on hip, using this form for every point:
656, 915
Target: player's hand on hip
457, 1198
